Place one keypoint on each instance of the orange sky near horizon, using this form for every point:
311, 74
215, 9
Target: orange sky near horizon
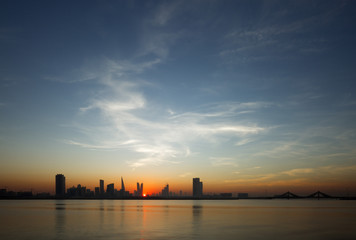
46, 183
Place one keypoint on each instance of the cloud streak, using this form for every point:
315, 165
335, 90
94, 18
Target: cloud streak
270, 37
295, 174
223, 161
125, 118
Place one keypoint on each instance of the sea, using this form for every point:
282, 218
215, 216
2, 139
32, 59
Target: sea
178, 219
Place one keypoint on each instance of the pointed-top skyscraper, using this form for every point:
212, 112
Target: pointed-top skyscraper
122, 185
122, 192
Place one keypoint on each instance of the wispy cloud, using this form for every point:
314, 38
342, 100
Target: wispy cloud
296, 174
271, 37
244, 141
165, 12
105, 145
279, 149
223, 161
184, 175
253, 178
298, 171
122, 115
125, 119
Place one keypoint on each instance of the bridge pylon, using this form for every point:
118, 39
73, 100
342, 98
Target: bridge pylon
319, 195
288, 195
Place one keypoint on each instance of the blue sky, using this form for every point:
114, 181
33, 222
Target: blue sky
241, 93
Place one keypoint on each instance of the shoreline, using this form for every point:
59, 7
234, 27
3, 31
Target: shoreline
188, 198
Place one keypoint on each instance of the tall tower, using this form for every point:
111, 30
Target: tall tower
197, 187
122, 185
110, 189
102, 190
60, 185
139, 191
165, 191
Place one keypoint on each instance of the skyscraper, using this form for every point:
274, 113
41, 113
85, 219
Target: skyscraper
139, 191
97, 191
102, 190
110, 190
197, 188
60, 185
165, 191
122, 185
123, 193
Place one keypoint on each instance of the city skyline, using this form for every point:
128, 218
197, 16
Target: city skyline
251, 96
82, 192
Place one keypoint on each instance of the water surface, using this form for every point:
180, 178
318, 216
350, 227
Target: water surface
177, 219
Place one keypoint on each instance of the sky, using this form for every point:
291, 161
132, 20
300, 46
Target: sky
250, 96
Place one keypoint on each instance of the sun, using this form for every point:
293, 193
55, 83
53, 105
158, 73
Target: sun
144, 195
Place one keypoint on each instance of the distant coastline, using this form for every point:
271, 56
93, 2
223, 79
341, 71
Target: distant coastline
174, 198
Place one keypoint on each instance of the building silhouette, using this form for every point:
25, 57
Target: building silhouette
242, 195
102, 190
197, 188
226, 195
165, 191
110, 190
139, 191
60, 185
122, 193
79, 192
97, 191
122, 185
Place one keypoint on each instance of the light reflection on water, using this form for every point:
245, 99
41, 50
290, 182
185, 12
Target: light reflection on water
174, 219
60, 220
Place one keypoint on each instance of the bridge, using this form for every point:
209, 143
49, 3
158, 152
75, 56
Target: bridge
290, 195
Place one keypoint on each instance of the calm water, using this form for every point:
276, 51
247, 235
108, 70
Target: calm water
185, 219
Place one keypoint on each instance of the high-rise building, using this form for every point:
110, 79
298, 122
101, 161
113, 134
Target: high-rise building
197, 187
122, 193
78, 191
60, 185
165, 191
97, 191
102, 190
122, 185
139, 191
110, 190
